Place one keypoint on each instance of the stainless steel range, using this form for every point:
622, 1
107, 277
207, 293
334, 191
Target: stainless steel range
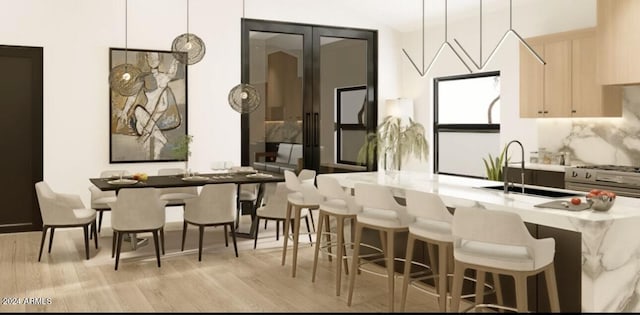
623, 180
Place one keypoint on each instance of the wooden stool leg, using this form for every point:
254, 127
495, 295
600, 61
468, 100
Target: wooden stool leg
407, 271
432, 261
550, 279
344, 248
318, 244
498, 287
296, 236
480, 278
354, 261
456, 290
521, 292
442, 276
390, 268
339, 252
285, 233
327, 236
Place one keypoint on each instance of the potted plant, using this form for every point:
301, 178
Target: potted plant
393, 142
494, 166
182, 151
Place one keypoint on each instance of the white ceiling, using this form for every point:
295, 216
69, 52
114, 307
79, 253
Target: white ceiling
406, 15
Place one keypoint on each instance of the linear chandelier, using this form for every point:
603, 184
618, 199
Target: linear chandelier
482, 65
444, 45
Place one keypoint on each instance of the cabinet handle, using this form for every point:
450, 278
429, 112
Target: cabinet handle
316, 127
546, 111
573, 111
539, 112
307, 128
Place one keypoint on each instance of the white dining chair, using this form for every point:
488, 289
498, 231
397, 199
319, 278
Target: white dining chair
64, 211
176, 196
214, 206
137, 210
100, 199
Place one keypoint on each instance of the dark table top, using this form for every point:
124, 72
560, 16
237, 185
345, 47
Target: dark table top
167, 181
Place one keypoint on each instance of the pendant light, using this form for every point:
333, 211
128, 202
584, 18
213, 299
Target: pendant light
124, 78
509, 31
444, 45
188, 48
244, 98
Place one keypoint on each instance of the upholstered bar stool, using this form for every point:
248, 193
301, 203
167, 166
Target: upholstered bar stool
304, 196
432, 226
341, 206
381, 212
499, 242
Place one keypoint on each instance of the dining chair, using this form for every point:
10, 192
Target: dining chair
275, 209
213, 207
137, 210
64, 211
100, 199
176, 196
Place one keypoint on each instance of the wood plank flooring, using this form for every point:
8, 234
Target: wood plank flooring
254, 282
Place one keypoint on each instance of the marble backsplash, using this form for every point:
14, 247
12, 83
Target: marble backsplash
591, 141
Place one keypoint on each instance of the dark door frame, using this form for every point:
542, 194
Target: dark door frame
35, 55
311, 78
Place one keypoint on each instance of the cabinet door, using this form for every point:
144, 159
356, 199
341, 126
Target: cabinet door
557, 79
619, 43
531, 83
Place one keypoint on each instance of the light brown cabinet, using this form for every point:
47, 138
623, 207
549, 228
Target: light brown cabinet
619, 42
567, 85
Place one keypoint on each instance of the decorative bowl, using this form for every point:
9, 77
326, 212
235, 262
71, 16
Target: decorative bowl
601, 202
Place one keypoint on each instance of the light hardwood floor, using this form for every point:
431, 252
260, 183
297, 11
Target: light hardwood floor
253, 282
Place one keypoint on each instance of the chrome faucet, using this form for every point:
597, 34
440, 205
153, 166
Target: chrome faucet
506, 166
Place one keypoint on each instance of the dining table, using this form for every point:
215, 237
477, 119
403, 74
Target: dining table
220, 177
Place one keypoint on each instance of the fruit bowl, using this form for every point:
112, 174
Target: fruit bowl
601, 202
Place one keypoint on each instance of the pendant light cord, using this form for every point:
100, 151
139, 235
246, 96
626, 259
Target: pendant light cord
510, 14
187, 20
446, 36
243, 9
126, 33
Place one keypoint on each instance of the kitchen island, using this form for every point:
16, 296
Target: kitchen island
610, 250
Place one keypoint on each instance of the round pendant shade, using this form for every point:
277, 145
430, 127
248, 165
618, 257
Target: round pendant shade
244, 98
124, 79
190, 44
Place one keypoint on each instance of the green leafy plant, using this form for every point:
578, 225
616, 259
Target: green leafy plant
181, 150
393, 141
494, 165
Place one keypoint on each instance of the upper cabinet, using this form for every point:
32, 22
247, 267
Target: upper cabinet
566, 86
619, 42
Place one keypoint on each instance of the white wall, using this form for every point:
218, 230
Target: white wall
538, 18
76, 36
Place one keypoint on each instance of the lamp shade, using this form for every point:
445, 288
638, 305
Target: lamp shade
400, 107
190, 44
244, 98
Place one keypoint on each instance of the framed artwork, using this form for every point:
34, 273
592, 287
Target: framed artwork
148, 123
350, 122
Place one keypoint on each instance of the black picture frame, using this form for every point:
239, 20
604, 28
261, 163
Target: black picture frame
148, 125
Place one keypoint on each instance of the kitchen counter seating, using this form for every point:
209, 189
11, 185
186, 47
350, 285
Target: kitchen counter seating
607, 241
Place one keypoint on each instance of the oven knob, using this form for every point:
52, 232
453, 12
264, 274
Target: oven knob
574, 174
587, 175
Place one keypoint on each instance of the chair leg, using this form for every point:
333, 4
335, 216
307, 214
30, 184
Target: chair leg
85, 229
407, 271
201, 238
114, 242
255, 240
155, 242
277, 229
226, 236
233, 238
550, 279
498, 288
265, 223
162, 239
44, 235
480, 280
53, 230
355, 261
339, 253
442, 276
95, 232
296, 237
521, 292
306, 221
184, 234
456, 289
120, 236
313, 223
318, 244
101, 212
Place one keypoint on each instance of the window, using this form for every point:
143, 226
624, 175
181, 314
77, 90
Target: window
466, 123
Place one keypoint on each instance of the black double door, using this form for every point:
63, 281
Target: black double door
318, 91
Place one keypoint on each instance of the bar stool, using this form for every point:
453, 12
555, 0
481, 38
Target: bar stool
381, 212
499, 242
342, 206
432, 226
304, 196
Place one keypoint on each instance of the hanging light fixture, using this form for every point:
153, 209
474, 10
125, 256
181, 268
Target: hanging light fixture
124, 78
188, 48
244, 98
509, 31
444, 45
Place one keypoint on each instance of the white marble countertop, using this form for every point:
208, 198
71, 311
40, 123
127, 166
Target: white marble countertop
462, 191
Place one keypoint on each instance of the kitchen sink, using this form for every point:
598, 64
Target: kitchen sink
534, 191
